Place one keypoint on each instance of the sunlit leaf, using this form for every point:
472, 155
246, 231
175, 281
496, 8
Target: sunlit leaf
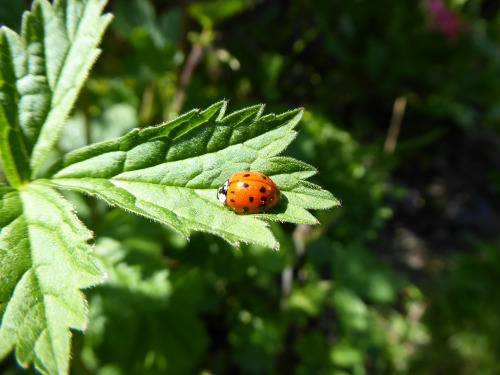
44, 262
171, 172
42, 72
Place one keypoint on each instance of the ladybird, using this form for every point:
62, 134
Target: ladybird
249, 193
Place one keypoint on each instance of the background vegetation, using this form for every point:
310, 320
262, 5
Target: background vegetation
402, 119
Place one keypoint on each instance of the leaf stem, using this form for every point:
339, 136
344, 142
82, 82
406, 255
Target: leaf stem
187, 71
85, 103
85, 100
395, 125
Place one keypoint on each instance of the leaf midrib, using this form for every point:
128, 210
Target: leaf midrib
63, 64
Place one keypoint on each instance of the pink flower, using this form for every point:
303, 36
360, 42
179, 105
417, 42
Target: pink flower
442, 18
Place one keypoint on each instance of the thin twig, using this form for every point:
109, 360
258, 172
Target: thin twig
146, 108
87, 118
398, 111
85, 105
187, 73
300, 236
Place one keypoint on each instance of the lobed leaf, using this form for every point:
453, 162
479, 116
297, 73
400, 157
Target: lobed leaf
13, 151
44, 261
139, 285
42, 71
171, 172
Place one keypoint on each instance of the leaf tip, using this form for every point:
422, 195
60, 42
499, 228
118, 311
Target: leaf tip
277, 247
302, 109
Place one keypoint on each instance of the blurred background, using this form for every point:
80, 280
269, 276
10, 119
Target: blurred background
402, 120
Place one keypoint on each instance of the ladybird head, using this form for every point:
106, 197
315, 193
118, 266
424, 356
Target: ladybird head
222, 192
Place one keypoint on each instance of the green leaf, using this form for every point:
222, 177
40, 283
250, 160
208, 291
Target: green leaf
137, 321
13, 152
42, 72
44, 261
211, 13
171, 172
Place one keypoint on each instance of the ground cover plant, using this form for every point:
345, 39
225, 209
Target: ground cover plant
395, 104
168, 173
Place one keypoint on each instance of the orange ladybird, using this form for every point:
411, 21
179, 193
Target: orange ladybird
249, 193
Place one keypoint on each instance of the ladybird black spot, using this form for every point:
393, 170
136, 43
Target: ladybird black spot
245, 209
245, 184
232, 200
232, 192
264, 177
263, 189
250, 199
246, 175
262, 206
263, 199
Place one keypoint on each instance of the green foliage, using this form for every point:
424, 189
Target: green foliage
43, 69
168, 173
210, 13
45, 252
148, 328
45, 259
400, 280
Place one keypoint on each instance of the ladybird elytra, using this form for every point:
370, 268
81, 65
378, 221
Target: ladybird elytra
249, 192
